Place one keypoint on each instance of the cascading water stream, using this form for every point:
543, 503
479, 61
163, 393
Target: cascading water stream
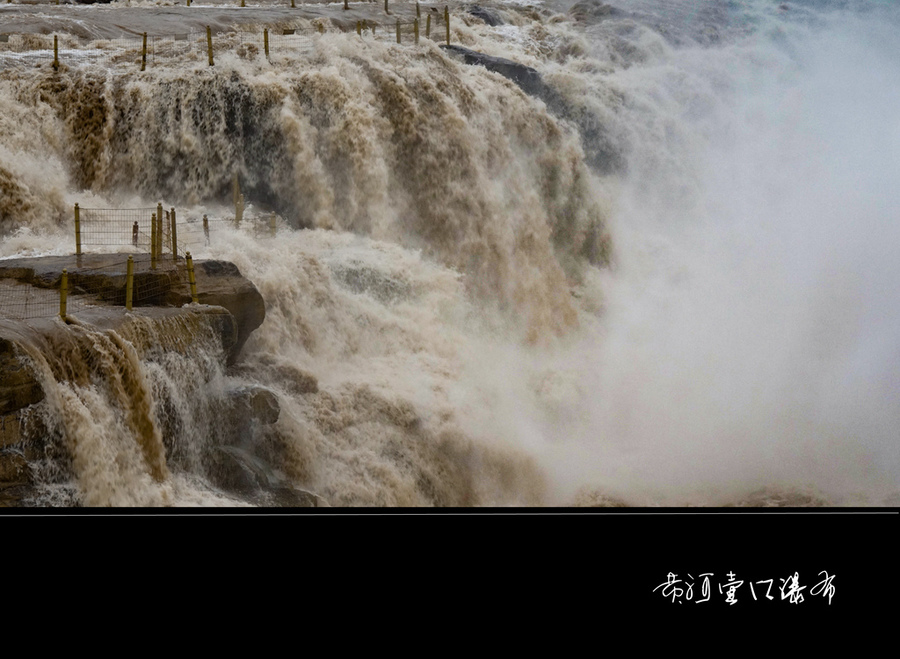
669, 282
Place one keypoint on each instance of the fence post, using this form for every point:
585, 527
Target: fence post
398, 30
191, 280
206, 229
160, 219
144, 54
77, 231
266, 41
428, 25
418, 11
153, 241
416, 28
292, 4
447, 21
242, 3
174, 239
386, 11
188, 3
209, 44
56, 52
129, 282
346, 6
63, 293
358, 28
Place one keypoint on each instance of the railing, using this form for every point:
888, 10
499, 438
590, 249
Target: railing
144, 50
158, 243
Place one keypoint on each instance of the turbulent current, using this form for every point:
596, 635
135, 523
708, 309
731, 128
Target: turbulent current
661, 273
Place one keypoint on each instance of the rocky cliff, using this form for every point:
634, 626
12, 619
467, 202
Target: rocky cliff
100, 343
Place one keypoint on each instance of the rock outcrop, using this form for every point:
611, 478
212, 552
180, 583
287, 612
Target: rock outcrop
599, 151
220, 283
526, 77
101, 279
230, 309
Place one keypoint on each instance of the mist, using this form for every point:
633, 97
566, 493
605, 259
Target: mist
750, 334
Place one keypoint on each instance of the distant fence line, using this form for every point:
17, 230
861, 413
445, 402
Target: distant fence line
293, 4
141, 51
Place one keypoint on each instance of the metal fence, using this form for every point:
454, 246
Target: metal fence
115, 246
277, 44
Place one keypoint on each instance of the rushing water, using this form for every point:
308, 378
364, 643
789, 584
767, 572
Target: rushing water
669, 281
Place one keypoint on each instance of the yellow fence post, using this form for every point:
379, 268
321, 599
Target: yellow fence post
386, 11
56, 52
188, 3
416, 28
398, 30
358, 28
346, 6
209, 44
191, 280
242, 3
77, 231
144, 54
153, 242
63, 293
447, 21
266, 41
206, 229
428, 26
418, 11
292, 4
129, 282
174, 239
160, 219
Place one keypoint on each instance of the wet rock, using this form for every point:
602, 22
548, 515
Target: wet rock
256, 404
489, 17
287, 376
524, 76
102, 276
18, 386
220, 283
250, 473
382, 286
599, 150
593, 11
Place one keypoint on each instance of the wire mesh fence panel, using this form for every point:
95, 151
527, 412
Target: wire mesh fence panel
176, 47
194, 233
101, 285
111, 227
25, 50
291, 46
125, 51
19, 301
106, 283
